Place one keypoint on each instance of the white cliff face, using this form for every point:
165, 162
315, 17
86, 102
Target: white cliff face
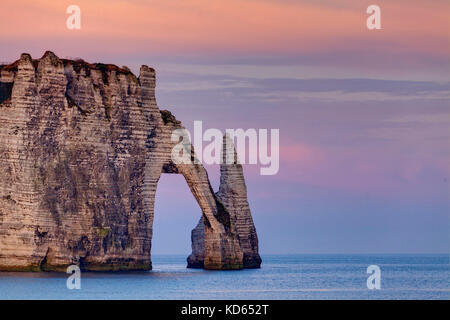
82, 147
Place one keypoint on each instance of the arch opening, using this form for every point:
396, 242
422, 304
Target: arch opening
176, 213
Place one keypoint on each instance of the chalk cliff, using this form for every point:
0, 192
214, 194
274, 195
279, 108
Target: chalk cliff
82, 147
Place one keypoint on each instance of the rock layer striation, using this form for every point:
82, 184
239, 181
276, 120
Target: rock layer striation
82, 147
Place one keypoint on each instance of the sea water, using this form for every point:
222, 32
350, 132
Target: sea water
305, 276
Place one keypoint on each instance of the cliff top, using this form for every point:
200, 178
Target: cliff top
77, 65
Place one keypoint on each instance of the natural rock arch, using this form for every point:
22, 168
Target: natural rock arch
83, 147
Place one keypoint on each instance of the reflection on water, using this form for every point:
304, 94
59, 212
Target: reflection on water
281, 277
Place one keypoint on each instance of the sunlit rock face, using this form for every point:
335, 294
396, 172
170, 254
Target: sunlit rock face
82, 147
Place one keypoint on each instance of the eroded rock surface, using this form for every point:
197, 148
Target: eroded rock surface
82, 147
233, 196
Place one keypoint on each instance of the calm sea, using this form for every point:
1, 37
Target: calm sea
281, 277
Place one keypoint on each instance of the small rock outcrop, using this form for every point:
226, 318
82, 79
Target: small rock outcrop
82, 147
232, 195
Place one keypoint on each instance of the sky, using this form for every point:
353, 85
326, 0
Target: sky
363, 114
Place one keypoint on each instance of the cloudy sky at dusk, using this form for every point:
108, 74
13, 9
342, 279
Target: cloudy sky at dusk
363, 114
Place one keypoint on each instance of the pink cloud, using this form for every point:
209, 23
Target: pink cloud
379, 171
